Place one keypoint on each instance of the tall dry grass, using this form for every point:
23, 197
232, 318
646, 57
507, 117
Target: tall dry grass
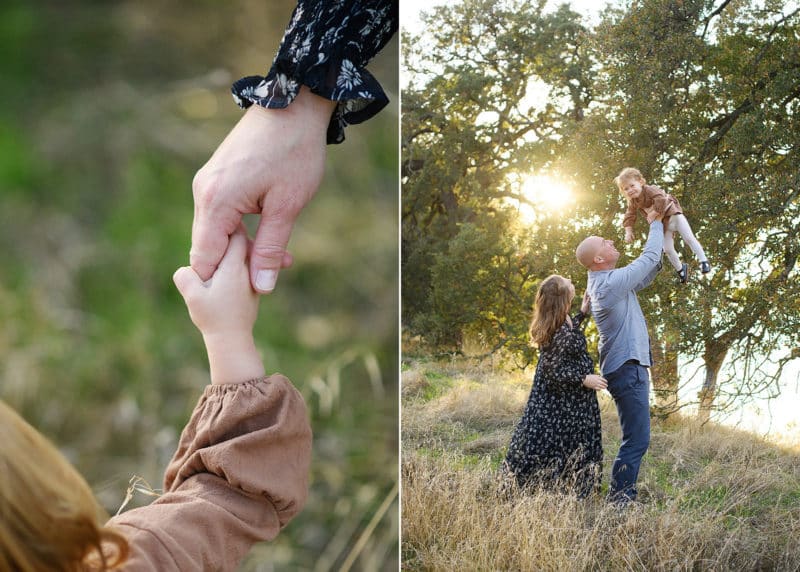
713, 498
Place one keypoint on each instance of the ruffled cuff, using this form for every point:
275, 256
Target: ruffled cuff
326, 47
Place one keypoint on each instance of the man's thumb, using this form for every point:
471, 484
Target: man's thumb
269, 252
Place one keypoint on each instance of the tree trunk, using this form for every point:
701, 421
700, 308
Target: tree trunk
713, 359
665, 377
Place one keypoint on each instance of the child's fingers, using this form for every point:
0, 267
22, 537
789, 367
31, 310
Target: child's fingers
209, 240
187, 281
237, 249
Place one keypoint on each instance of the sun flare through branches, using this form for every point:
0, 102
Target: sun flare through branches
540, 195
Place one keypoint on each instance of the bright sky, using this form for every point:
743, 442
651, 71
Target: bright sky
590, 9
410, 9
777, 417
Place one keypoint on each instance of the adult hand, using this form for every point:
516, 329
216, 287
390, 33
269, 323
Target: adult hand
594, 381
652, 215
586, 303
271, 163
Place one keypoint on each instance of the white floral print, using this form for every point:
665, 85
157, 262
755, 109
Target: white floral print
326, 47
557, 443
348, 76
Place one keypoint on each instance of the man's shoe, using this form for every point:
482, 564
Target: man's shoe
705, 267
683, 273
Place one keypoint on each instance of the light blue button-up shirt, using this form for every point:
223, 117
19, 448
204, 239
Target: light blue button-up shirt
616, 310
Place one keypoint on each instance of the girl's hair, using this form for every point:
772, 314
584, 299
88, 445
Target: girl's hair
550, 309
49, 519
627, 174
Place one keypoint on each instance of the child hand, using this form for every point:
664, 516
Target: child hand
628, 234
225, 304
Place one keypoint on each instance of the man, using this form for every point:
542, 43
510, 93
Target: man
624, 345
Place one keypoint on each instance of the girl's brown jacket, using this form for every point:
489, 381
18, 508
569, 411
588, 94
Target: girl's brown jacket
651, 197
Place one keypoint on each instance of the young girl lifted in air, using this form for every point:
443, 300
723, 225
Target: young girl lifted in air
653, 201
240, 472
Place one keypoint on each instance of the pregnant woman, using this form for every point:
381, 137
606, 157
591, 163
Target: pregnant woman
557, 442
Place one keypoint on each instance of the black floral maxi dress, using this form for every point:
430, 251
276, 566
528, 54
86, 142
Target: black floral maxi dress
557, 441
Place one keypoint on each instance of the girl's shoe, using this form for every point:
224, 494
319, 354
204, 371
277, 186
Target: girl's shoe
705, 267
683, 273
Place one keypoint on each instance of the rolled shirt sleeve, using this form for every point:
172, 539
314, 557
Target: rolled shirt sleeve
630, 215
631, 277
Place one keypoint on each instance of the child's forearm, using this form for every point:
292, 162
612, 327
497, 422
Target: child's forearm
233, 357
628, 234
630, 217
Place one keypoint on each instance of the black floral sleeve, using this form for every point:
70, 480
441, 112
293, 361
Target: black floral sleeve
565, 362
325, 47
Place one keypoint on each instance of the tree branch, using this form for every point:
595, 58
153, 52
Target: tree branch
713, 15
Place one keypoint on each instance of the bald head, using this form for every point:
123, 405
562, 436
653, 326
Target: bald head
587, 250
596, 253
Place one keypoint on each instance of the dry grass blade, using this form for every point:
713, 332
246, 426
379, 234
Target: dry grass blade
137, 485
376, 518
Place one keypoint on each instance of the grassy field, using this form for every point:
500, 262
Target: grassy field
712, 497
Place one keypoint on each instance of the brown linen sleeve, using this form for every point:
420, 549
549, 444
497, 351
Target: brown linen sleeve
630, 215
239, 475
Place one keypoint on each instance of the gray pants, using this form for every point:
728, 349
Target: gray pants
679, 224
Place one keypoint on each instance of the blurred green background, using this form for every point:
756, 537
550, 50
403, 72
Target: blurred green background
107, 109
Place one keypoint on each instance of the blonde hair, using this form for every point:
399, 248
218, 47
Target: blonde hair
49, 519
550, 309
627, 174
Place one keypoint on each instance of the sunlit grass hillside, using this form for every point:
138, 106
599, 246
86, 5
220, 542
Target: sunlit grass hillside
713, 498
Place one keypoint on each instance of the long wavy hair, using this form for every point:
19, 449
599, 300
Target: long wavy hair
49, 518
550, 309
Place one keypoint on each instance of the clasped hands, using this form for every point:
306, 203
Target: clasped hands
271, 164
652, 215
